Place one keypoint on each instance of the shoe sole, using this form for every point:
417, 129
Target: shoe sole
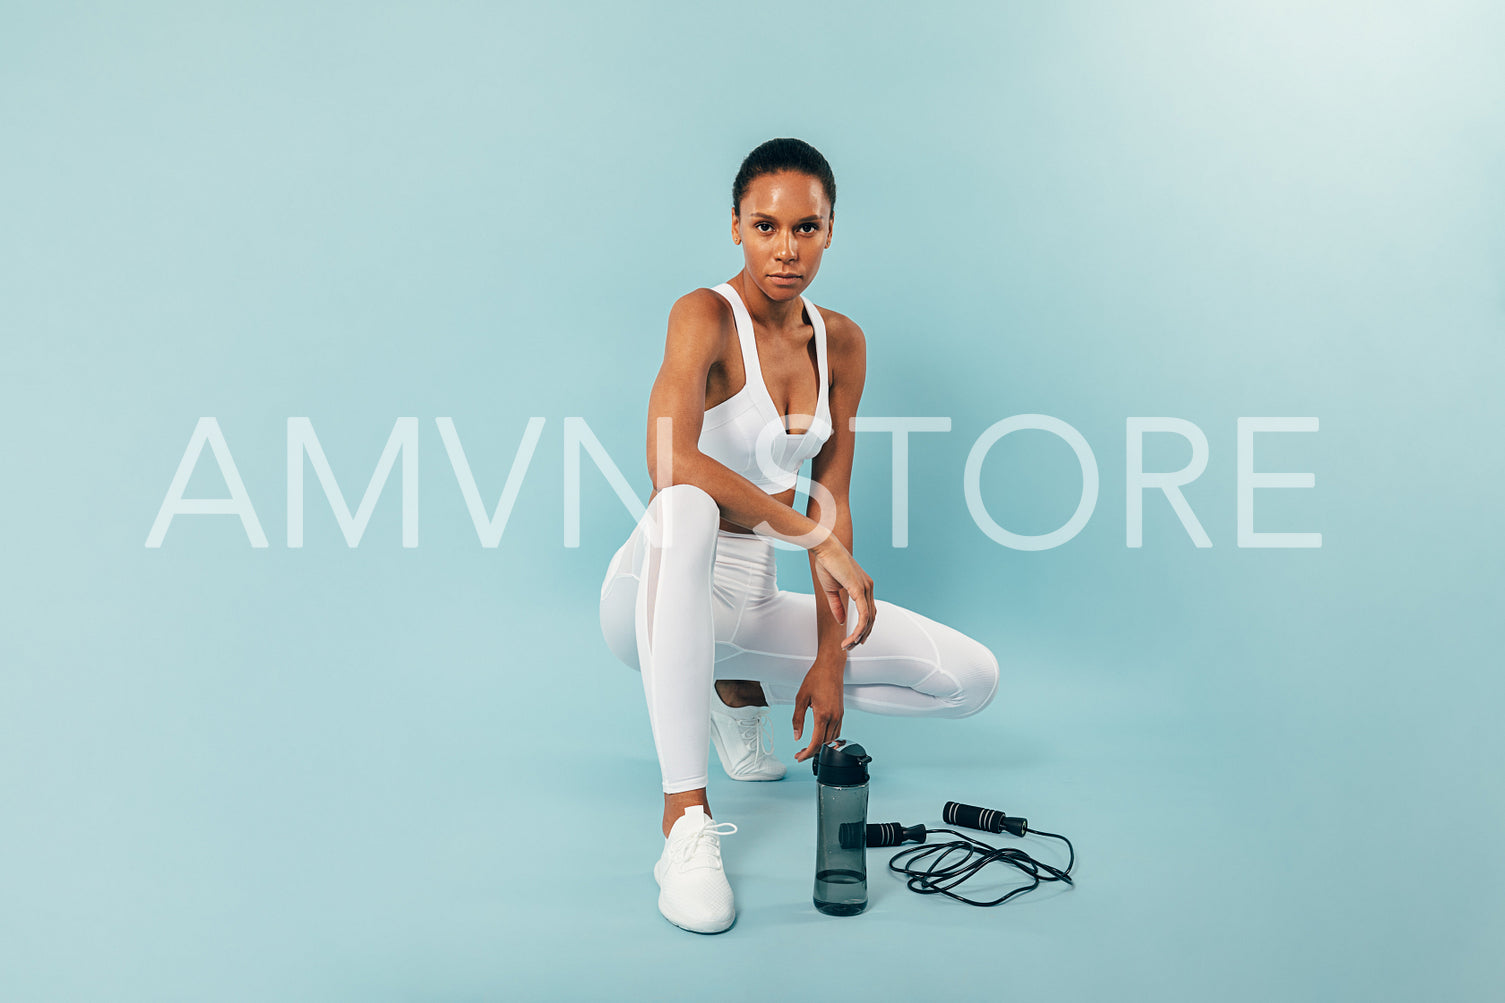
721, 755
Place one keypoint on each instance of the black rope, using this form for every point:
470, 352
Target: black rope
943, 873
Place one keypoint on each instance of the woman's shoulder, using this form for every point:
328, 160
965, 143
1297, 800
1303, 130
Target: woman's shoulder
843, 335
702, 315
703, 304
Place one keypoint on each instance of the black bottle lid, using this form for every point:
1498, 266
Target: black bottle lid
841, 764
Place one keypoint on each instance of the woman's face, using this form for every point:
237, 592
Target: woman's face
784, 227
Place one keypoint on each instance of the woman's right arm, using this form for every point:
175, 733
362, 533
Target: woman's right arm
700, 325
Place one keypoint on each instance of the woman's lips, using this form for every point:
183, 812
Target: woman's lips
785, 278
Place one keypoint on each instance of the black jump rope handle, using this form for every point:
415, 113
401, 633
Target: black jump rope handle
879, 834
986, 819
854, 834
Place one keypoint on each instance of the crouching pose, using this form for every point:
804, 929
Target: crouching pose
690, 600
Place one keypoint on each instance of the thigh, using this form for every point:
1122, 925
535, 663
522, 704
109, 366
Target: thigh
619, 595
775, 642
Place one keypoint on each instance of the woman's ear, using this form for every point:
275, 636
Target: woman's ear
736, 229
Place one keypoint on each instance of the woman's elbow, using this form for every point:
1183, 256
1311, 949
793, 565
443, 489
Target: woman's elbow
682, 466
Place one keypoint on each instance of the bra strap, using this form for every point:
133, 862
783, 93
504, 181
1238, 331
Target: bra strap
750, 365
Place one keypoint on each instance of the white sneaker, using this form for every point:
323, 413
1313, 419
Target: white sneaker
744, 741
693, 891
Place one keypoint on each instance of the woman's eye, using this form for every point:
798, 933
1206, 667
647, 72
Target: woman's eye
762, 225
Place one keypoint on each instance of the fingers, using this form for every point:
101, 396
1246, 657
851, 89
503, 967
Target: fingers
825, 728
800, 703
842, 577
867, 608
858, 634
867, 612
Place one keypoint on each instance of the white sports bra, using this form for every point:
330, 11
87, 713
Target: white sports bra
746, 432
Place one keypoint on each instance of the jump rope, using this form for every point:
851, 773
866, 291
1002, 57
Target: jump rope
937, 868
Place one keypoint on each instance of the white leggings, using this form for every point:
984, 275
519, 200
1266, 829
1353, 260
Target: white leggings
686, 602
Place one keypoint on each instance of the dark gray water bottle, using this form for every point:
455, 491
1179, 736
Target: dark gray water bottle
841, 828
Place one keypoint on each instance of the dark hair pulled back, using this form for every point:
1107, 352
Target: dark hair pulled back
786, 154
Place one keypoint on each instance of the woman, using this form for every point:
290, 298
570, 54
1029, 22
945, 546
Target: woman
691, 598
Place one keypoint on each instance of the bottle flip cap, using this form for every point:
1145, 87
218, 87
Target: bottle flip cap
841, 764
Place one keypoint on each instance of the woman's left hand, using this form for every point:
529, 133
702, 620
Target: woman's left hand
821, 693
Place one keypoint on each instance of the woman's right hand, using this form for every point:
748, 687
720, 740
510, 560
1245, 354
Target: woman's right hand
840, 575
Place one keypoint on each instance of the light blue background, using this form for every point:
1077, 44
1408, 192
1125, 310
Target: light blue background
375, 773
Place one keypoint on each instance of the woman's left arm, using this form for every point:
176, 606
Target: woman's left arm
831, 468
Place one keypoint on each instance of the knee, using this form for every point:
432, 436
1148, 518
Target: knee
686, 497
979, 678
684, 511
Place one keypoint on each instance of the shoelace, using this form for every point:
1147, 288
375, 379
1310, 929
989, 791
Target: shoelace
693, 843
758, 733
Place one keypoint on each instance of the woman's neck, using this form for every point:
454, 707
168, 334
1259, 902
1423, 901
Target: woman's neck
767, 313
